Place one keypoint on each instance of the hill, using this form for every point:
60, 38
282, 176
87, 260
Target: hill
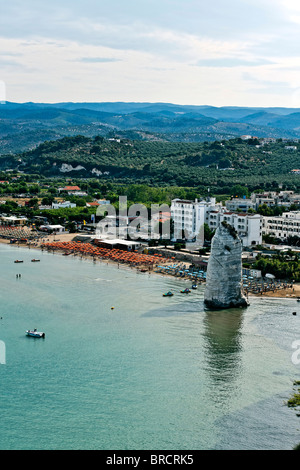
145, 121
215, 163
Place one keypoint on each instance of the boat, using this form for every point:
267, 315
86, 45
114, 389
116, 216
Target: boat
168, 294
194, 286
185, 291
19, 261
35, 260
35, 334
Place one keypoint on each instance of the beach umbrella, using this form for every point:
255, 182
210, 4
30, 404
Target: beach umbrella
270, 276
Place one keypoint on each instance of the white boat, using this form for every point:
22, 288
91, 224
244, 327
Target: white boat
35, 334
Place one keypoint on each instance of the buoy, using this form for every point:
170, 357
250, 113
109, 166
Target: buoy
294, 313
112, 308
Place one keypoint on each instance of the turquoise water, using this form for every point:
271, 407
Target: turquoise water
154, 373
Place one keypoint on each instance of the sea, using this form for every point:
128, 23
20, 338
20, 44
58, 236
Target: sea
123, 368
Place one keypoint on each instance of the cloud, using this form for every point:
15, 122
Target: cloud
147, 49
97, 60
231, 62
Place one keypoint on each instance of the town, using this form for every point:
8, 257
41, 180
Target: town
267, 222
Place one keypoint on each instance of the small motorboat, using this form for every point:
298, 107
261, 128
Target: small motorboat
19, 261
35, 334
185, 291
168, 294
194, 286
35, 260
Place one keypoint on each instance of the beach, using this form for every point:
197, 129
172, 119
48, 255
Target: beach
291, 291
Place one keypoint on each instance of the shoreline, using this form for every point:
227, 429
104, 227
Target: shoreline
286, 293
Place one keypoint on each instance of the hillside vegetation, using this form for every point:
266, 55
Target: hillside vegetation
220, 164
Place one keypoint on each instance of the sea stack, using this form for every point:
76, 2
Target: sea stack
224, 271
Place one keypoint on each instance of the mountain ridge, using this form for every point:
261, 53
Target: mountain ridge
147, 121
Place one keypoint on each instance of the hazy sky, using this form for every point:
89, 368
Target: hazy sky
220, 52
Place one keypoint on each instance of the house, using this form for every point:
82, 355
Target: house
63, 205
290, 147
92, 204
69, 189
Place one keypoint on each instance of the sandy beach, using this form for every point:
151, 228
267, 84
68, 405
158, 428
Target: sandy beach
293, 292
289, 292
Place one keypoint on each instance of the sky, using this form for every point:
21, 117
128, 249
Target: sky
219, 53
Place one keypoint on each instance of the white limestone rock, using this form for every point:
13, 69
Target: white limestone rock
224, 271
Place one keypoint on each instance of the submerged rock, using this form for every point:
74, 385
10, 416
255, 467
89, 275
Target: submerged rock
224, 271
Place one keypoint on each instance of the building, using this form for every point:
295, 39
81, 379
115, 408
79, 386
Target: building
240, 205
273, 198
286, 225
69, 189
52, 228
189, 216
63, 205
119, 244
13, 221
291, 147
248, 226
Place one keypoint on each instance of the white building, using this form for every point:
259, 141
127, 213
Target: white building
240, 205
52, 228
273, 198
286, 225
63, 205
190, 216
248, 226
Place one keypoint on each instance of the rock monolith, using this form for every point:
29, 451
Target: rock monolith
224, 271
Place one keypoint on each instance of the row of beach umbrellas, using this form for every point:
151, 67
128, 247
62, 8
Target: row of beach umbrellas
112, 254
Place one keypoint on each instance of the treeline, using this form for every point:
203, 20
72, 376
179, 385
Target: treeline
282, 266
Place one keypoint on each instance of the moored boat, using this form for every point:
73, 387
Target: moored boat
35, 334
185, 291
35, 260
168, 294
194, 286
19, 261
